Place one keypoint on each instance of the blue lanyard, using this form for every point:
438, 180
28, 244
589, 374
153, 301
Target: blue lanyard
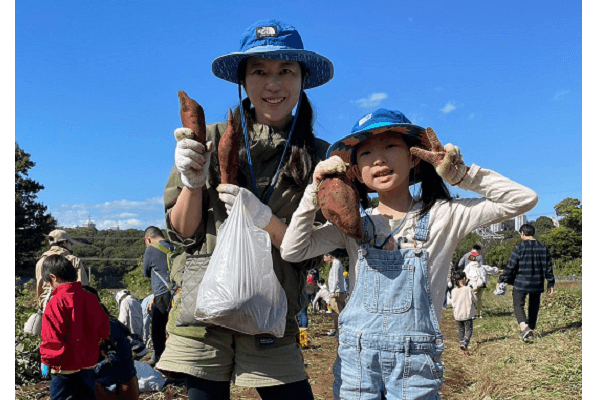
391, 234
287, 144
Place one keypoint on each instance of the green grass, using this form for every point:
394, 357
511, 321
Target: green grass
503, 367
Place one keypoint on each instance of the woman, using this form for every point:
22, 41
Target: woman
274, 69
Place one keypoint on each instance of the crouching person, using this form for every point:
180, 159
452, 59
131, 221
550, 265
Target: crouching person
115, 372
73, 325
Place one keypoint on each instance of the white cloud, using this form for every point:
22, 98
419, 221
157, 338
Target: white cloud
448, 108
127, 214
373, 100
561, 94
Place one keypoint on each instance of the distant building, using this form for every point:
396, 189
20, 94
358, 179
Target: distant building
497, 227
520, 220
89, 223
114, 228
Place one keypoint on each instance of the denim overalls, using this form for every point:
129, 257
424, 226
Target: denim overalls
390, 343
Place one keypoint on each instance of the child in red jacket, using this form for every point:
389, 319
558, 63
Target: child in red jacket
72, 326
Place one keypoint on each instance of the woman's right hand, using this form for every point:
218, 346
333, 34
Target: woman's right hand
192, 158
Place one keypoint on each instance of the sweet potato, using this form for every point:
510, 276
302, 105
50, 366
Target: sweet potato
340, 204
192, 116
228, 153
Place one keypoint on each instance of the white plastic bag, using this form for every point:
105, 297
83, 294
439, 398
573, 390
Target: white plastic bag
240, 290
148, 379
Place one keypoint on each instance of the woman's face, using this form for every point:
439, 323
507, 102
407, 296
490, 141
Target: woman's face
273, 87
384, 162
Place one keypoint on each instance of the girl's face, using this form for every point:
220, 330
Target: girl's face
273, 87
383, 162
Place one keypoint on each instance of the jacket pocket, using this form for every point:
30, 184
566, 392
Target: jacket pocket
388, 287
193, 273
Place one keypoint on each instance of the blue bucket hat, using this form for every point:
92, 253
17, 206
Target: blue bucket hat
276, 40
379, 121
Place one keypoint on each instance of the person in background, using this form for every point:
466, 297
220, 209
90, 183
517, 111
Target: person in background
463, 304
130, 313
147, 310
155, 267
116, 377
60, 243
529, 265
476, 274
73, 325
336, 289
322, 300
475, 251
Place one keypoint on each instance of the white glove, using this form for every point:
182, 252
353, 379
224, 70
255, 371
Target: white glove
447, 160
453, 168
259, 212
192, 158
332, 166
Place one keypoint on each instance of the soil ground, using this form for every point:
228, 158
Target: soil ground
499, 367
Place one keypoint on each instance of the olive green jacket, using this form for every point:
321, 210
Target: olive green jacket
266, 154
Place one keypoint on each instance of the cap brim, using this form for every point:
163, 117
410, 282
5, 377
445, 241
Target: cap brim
414, 134
320, 68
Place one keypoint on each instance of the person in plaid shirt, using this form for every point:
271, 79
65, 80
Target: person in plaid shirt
530, 263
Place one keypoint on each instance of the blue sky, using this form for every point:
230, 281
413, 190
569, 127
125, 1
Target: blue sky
96, 88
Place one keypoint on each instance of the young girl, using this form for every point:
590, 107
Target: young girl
463, 304
390, 340
476, 274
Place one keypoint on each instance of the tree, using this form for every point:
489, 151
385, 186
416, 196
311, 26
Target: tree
31, 219
570, 210
543, 225
563, 243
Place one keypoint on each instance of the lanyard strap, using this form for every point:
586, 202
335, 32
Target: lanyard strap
287, 144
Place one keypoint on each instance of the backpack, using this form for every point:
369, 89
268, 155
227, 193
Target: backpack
170, 259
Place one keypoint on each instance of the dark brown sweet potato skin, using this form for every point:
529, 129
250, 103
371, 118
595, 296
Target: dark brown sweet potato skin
192, 116
340, 205
228, 153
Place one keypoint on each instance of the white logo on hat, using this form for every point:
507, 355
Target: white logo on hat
266, 31
365, 119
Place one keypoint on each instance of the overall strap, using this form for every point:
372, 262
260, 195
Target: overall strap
422, 228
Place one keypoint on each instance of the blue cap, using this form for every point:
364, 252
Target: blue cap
381, 120
275, 40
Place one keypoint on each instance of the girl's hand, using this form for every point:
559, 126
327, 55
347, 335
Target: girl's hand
447, 160
332, 166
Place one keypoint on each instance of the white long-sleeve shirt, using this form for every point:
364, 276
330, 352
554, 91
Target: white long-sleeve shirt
474, 269
449, 222
463, 303
336, 277
130, 314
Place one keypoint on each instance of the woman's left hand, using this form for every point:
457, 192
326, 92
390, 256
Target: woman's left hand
260, 213
447, 160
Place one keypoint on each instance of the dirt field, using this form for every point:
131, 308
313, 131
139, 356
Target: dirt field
499, 367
